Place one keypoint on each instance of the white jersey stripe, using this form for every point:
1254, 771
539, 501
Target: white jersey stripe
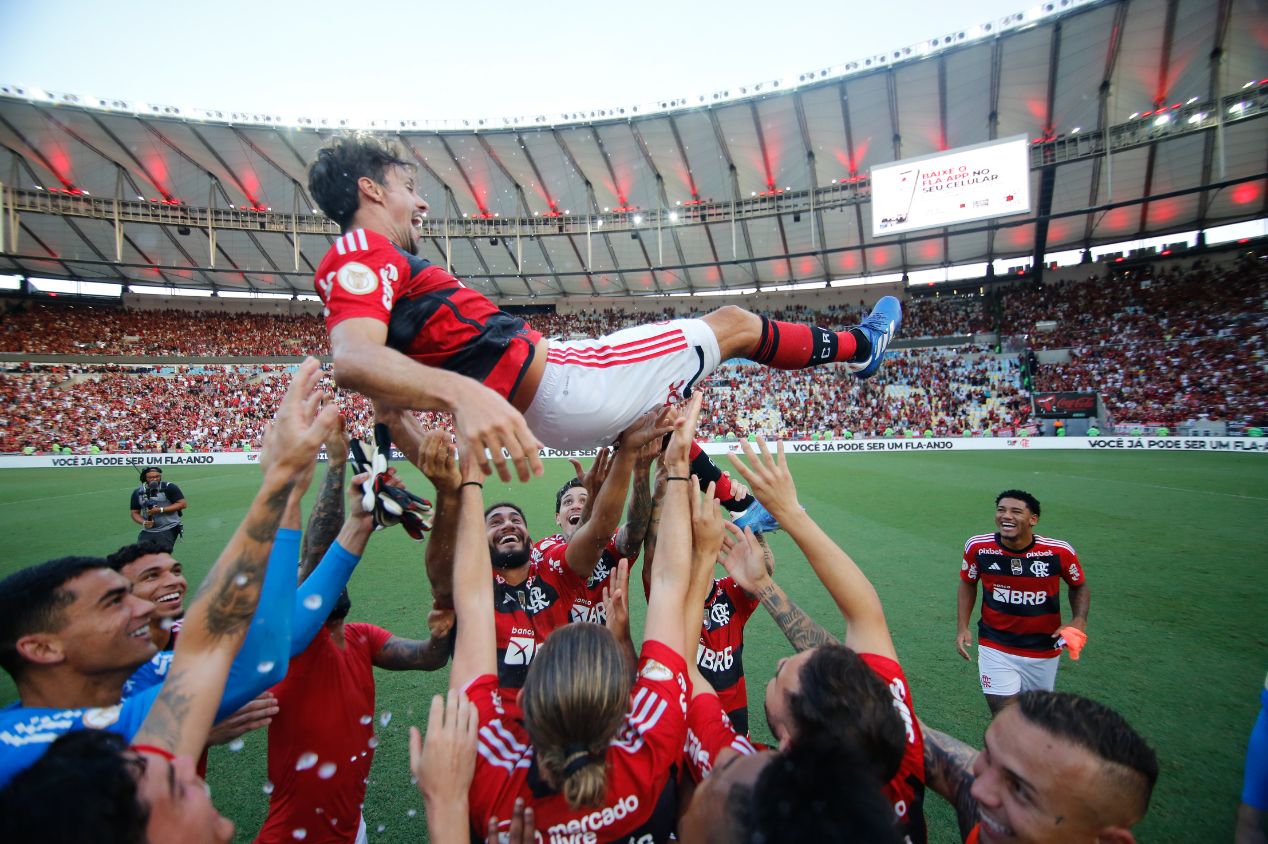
339, 247
361, 239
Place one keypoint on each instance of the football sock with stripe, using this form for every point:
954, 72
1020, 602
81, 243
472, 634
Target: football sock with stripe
791, 345
706, 470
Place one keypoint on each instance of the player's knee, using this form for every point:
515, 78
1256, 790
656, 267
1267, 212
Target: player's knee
737, 330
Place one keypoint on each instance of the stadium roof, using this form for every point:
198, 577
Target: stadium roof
1144, 118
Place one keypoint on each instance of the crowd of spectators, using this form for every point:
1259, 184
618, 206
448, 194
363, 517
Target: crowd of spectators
104, 330
1160, 347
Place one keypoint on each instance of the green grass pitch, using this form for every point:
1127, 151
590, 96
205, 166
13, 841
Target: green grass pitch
1173, 545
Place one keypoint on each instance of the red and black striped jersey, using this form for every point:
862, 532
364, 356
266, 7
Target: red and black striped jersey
431, 316
1021, 591
527, 613
906, 790
720, 654
587, 604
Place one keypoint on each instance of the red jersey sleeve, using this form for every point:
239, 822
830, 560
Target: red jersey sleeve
709, 732
1071, 570
359, 277
655, 730
968, 565
375, 637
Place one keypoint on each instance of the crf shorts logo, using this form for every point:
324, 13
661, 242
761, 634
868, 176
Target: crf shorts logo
520, 650
986, 681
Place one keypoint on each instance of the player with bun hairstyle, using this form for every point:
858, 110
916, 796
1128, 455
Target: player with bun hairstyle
587, 746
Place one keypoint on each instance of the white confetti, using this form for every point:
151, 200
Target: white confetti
380, 828
299, 834
326, 771
167, 623
240, 580
306, 761
385, 718
236, 745
265, 667
312, 602
268, 787
373, 742
365, 719
411, 813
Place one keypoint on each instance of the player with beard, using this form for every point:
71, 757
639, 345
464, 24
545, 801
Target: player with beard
535, 589
328, 697
407, 333
1055, 767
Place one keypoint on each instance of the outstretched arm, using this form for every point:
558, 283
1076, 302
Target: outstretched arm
475, 642
949, 771
745, 559
218, 618
768, 477
484, 419
432, 452
706, 541
672, 577
327, 516
587, 543
630, 538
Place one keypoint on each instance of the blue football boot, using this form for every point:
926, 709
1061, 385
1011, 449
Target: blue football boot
880, 326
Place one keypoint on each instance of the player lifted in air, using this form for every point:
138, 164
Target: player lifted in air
406, 333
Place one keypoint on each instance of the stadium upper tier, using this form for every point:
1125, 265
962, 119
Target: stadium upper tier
1143, 117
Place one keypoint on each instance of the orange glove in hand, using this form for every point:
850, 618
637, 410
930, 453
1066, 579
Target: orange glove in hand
1073, 638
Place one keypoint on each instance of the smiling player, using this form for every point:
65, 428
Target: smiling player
1020, 633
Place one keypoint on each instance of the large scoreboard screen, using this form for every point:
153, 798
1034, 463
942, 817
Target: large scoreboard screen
958, 186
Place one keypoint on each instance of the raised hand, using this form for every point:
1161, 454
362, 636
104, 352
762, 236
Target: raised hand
706, 525
436, 460
486, 421
253, 715
301, 425
678, 453
444, 763
768, 477
744, 560
616, 600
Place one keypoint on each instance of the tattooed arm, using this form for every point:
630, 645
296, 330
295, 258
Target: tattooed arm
639, 511
327, 515
221, 613
803, 632
399, 654
949, 771
747, 559
586, 546
768, 476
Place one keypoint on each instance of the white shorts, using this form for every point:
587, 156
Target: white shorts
591, 390
1008, 674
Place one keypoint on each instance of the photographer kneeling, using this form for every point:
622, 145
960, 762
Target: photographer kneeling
156, 507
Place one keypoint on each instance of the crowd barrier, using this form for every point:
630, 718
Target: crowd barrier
1230, 445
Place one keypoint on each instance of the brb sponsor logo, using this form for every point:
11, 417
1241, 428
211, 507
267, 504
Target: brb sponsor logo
1019, 597
710, 660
